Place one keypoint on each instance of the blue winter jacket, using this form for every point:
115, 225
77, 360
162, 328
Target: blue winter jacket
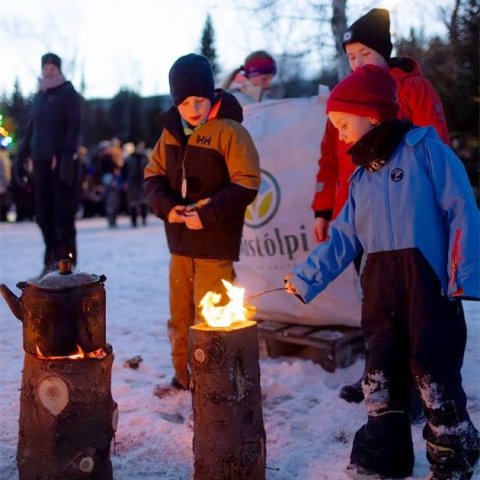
422, 199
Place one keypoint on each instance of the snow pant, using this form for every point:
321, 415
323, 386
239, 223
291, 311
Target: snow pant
412, 332
55, 205
112, 198
5, 204
136, 208
190, 279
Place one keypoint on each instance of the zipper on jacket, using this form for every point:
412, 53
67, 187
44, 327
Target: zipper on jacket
454, 264
387, 207
183, 187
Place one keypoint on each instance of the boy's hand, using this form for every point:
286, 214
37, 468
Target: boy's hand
288, 286
192, 220
176, 214
320, 229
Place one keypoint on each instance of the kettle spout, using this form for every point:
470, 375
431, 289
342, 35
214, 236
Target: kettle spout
13, 301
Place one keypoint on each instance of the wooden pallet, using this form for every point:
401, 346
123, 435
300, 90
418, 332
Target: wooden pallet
330, 346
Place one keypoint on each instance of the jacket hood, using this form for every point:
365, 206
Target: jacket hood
404, 66
225, 105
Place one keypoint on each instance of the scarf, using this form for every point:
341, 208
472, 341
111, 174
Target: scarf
191, 129
45, 84
375, 147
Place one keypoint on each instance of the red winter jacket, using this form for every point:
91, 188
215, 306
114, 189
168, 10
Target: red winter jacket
419, 103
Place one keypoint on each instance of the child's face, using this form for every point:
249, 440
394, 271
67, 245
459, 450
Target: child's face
351, 128
262, 81
195, 110
359, 54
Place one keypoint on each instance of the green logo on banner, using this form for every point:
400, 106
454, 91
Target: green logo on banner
266, 204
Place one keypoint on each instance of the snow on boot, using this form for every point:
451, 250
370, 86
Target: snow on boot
451, 464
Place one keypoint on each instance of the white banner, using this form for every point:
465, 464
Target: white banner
278, 230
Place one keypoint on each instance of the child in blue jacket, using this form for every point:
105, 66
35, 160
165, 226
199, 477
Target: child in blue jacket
411, 209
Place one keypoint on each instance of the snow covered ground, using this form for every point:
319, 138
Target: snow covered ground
309, 429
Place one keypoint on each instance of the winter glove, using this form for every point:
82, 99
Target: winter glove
67, 168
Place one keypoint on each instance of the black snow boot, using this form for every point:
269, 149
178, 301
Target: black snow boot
384, 446
450, 464
352, 393
453, 457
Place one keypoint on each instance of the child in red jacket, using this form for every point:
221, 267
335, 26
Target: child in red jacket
368, 41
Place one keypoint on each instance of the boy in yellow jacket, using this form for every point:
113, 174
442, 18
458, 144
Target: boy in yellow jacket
202, 175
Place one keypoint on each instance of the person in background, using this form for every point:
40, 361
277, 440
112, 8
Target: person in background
5, 182
202, 174
133, 177
368, 41
94, 190
111, 164
83, 165
250, 83
51, 141
22, 189
411, 211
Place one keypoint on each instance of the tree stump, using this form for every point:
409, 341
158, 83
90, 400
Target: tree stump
67, 419
228, 433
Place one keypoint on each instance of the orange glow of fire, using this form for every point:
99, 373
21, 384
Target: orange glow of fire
78, 355
224, 315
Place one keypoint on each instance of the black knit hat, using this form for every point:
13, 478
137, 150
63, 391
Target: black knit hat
52, 58
373, 30
191, 75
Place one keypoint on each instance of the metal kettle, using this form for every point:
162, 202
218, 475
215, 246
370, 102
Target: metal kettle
61, 312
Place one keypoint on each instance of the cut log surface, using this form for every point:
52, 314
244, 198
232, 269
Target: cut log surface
53, 394
229, 436
67, 419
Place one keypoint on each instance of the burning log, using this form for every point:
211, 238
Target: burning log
67, 417
229, 436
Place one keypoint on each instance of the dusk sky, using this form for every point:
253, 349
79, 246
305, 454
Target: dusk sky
132, 44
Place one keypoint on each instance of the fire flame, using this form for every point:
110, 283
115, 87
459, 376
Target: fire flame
225, 315
78, 355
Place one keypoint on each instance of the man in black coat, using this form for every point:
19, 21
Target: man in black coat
51, 141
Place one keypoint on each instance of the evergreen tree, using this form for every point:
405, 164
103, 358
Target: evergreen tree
452, 65
17, 109
464, 37
207, 44
126, 117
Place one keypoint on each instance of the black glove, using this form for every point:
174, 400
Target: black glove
66, 168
